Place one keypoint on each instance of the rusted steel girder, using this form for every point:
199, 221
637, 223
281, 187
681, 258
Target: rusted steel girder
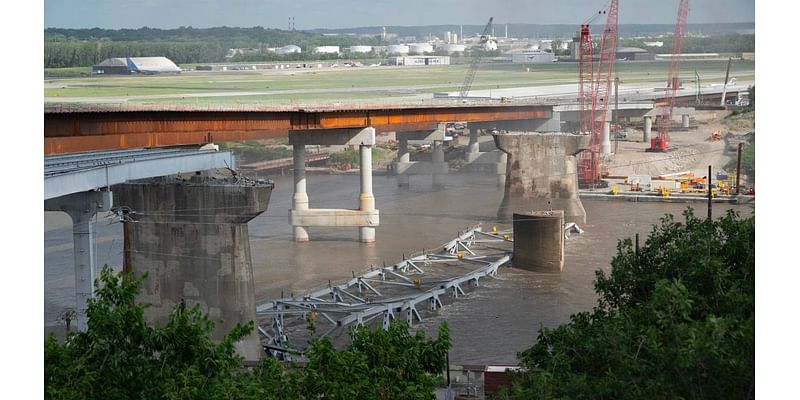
67, 132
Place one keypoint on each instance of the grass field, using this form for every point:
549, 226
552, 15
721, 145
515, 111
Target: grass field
392, 84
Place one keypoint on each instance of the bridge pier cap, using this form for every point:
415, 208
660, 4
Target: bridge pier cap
541, 173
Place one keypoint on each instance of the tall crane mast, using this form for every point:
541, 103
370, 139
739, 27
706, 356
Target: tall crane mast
661, 142
595, 89
473, 64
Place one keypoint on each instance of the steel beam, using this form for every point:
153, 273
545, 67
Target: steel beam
74, 130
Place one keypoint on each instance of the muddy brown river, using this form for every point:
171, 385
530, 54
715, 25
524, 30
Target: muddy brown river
488, 326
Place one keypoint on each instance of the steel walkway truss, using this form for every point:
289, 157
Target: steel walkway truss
418, 283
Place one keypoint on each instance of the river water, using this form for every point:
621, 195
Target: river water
488, 326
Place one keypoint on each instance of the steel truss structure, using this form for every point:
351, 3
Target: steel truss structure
418, 283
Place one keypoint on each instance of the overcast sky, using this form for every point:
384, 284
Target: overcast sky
311, 14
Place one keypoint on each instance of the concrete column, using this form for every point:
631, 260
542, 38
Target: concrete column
82, 208
196, 251
439, 167
685, 120
539, 241
648, 128
366, 199
502, 160
605, 148
403, 158
473, 149
300, 198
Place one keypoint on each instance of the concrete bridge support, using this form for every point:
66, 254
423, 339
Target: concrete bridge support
82, 208
648, 129
301, 216
542, 173
191, 237
489, 159
685, 121
605, 147
539, 241
437, 167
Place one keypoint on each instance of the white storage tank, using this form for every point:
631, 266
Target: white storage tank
420, 48
327, 49
360, 49
452, 48
490, 45
397, 49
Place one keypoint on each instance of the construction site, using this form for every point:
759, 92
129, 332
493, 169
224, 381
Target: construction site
485, 195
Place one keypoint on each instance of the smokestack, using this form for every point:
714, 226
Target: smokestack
461, 32
506, 31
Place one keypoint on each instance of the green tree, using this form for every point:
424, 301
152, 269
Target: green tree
674, 320
120, 356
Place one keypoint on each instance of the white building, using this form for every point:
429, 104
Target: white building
326, 49
288, 49
420, 60
360, 49
529, 56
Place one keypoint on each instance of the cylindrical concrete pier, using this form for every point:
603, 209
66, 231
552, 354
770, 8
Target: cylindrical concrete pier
473, 147
439, 167
685, 120
366, 199
403, 158
605, 147
539, 241
300, 198
648, 129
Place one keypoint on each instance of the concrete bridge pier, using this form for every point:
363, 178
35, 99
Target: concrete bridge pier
542, 173
301, 216
404, 168
605, 147
473, 149
191, 237
403, 158
300, 197
685, 120
648, 129
82, 208
440, 167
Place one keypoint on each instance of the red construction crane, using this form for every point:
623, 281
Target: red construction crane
661, 142
594, 89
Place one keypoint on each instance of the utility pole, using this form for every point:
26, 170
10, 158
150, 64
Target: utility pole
616, 100
738, 166
708, 183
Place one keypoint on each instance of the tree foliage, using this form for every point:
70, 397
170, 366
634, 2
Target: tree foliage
674, 320
121, 356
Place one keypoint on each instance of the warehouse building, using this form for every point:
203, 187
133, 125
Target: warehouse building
135, 65
420, 60
634, 54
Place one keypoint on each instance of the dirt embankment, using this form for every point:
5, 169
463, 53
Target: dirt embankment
691, 150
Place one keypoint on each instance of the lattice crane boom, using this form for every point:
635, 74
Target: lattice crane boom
473, 64
594, 90
661, 141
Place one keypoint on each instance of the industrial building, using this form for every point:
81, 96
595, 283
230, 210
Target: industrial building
326, 49
529, 56
288, 49
634, 54
420, 60
420, 48
360, 49
397, 49
135, 65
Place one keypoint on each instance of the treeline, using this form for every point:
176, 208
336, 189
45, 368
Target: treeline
734, 43
86, 47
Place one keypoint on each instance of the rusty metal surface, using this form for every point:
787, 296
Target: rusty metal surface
98, 128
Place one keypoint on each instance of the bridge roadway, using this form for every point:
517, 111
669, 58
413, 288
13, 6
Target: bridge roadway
93, 127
